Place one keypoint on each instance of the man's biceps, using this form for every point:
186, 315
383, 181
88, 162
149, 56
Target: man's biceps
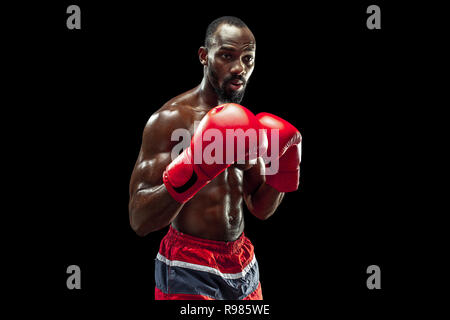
158, 161
145, 188
152, 147
164, 129
148, 172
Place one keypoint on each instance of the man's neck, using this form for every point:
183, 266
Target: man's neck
207, 94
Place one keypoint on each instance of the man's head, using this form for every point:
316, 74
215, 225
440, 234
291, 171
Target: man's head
228, 57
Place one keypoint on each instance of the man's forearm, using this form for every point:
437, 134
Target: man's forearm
264, 201
152, 209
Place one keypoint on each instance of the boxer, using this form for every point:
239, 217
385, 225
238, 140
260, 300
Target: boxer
205, 254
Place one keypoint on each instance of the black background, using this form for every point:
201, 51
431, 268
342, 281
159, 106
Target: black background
84, 96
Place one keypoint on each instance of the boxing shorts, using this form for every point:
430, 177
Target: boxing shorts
191, 268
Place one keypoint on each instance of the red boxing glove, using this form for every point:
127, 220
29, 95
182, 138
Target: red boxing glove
219, 141
286, 179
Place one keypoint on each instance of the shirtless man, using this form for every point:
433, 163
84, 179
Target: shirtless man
205, 254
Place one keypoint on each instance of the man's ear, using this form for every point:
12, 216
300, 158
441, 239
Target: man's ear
203, 55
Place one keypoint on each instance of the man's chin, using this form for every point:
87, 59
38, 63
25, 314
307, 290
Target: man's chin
230, 96
234, 96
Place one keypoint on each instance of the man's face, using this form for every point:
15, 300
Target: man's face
231, 61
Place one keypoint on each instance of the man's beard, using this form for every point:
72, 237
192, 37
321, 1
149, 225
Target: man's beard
233, 96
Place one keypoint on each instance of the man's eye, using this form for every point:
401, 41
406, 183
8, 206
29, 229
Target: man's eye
227, 56
248, 58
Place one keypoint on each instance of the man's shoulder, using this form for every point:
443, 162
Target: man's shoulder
184, 103
178, 112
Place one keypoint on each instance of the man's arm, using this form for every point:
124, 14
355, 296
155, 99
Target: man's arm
264, 194
262, 200
151, 207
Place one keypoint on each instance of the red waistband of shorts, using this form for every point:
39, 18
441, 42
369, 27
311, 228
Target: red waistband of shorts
182, 239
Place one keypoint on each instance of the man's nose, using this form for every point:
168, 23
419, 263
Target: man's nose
238, 68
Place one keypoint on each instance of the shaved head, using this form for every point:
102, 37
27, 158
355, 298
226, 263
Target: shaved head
213, 26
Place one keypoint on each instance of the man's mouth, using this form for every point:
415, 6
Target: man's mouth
236, 84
